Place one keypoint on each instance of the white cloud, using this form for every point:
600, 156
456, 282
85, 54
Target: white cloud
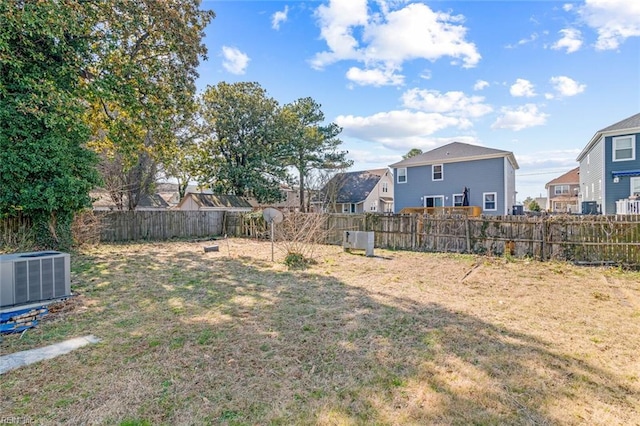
234, 60
374, 77
522, 88
533, 37
397, 129
566, 86
279, 17
567, 7
384, 40
571, 40
450, 102
614, 21
520, 118
480, 84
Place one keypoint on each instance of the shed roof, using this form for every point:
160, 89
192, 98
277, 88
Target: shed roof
217, 201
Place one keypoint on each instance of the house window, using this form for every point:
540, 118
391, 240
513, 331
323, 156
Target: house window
345, 208
635, 185
402, 175
434, 201
457, 200
436, 172
353, 208
561, 189
373, 207
385, 187
490, 200
624, 148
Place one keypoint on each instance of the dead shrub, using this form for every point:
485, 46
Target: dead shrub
298, 236
86, 228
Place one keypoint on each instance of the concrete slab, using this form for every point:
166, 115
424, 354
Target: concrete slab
19, 359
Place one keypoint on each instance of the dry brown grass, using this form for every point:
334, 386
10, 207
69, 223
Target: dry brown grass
192, 338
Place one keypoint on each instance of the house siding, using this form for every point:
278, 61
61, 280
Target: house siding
591, 174
622, 189
510, 186
480, 176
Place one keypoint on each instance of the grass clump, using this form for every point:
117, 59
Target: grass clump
296, 261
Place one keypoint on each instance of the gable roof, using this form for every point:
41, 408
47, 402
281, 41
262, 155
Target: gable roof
354, 187
628, 125
456, 152
102, 200
216, 201
571, 177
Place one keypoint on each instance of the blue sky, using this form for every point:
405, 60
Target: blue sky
537, 78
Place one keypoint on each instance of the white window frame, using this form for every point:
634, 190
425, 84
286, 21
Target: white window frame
634, 183
345, 208
424, 200
402, 173
453, 200
495, 201
373, 207
433, 172
614, 148
558, 190
385, 187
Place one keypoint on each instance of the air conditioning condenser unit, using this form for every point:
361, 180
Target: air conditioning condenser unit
27, 278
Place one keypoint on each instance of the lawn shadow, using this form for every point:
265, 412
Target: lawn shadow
195, 340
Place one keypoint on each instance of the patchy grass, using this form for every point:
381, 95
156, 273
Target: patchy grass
402, 338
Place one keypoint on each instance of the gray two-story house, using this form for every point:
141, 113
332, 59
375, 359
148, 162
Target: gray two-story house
438, 178
610, 169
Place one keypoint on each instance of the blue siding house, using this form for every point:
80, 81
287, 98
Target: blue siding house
439, 177
610, 169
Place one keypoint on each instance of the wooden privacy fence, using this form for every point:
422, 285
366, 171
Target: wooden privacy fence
119, 226
581, 239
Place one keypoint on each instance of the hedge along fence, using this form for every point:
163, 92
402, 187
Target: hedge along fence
581, 239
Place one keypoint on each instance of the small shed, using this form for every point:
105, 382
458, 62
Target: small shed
195, 201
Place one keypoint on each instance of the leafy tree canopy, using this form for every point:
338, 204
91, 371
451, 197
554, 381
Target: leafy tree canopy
245, 149
412, 153
309, 143
46, 172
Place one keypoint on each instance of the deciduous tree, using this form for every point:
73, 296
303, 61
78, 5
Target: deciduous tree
142, 75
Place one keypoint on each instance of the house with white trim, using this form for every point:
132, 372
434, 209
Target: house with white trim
438, 178
610, 169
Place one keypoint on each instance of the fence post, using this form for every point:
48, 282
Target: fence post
466, 229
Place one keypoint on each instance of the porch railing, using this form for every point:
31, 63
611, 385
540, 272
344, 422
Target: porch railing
628, 206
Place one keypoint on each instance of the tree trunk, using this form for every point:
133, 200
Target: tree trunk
303, 206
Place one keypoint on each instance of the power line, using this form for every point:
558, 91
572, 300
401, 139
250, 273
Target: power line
542, 173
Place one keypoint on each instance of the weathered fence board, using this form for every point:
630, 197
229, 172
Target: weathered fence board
119, 226
585, 239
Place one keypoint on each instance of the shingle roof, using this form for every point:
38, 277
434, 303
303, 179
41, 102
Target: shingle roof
455, 151
103, 200
628, 123
212, 200
572, 176
354, 187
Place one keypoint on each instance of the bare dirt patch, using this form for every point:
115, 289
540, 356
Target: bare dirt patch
229, 337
